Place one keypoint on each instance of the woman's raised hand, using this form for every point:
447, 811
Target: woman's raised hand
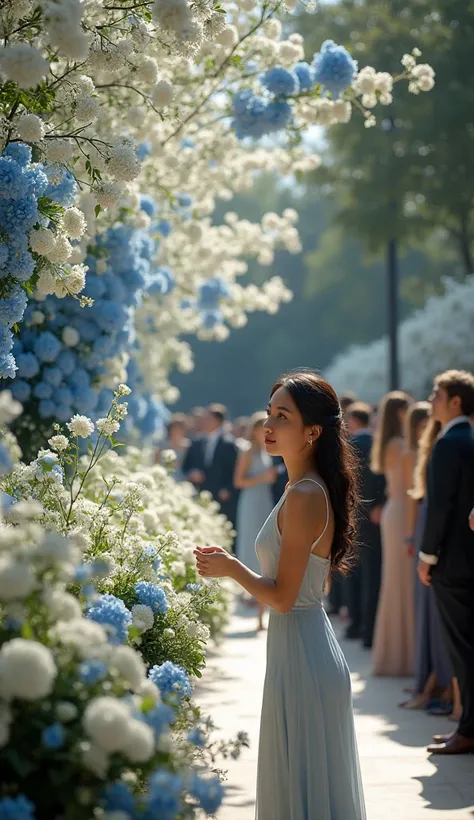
213, 562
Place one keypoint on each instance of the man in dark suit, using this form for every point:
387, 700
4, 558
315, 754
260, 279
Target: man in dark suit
447, 550
210, 461
363, 584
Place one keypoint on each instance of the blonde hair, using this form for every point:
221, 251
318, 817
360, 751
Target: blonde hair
389, 427
255, 421
417, 412
425, 447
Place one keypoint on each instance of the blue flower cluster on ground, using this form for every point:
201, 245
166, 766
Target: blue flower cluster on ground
255, 115
171, 679
112, 614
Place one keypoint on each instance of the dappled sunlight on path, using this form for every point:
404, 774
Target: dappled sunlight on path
401, 782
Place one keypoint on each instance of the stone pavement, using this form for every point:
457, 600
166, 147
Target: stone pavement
400, 781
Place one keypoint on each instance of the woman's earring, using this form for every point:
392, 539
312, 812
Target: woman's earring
310, 441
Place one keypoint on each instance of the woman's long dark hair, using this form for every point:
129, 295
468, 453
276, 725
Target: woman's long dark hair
335, 460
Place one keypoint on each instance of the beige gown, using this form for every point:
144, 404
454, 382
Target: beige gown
394, 638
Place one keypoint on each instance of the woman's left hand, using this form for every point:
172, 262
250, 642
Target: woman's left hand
213, 562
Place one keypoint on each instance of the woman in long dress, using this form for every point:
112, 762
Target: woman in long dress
254, 476
394, 636
433, 669
308, 766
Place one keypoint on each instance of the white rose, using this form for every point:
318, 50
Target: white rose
107, 722
130, 665
107, 426
80, 426
27, 670
58, 443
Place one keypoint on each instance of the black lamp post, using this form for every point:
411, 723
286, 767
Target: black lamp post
392, 288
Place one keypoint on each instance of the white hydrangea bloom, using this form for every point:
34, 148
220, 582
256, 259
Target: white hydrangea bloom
17, 579
95, 759
42, 241
63, 606
59, 150
23, 64
31, 128
73, 223
61, 250
58, 443
130, 665
123, 163
87, 637
107, 722
81, 426
142, 617
27, 670
70, 336
87, 109
107, 426
162, 94
66, 711
140, 743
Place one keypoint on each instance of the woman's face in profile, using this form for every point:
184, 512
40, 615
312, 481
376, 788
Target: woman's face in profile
284, 431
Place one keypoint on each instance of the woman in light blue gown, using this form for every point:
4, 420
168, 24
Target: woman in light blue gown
254, 475
308, 766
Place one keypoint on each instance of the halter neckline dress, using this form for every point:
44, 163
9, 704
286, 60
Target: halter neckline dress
308, 764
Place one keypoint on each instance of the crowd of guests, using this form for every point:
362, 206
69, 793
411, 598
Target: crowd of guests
410, 598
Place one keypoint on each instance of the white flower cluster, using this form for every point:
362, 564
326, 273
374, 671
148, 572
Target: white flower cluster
435, 338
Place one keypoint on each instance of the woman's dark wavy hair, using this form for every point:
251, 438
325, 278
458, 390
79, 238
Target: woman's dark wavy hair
335, 459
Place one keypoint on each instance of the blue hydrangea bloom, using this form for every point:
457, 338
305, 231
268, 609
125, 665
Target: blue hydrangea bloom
197, 737
13, 184
21, 390
193, 587
119, 797
148, 204
143, 150
16, 808
18, 151
42, 390
12, 307
64, 412
52, 375
209, 791
163, 796
171, 679
112, 613
164, 227
334, 68
62, 186
92, 671
21, 265
277, 115
38, 182
211, 318
305, 74
152, 595
3, 253
28, 365
280, 81
66, 362
7, 366
46, 408
52, 737
159, 718
5, 461
6, 341
47, 347
184, 200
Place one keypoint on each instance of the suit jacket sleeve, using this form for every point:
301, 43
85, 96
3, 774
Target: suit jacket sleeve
189, 462
231, 453
376, 487
443, 473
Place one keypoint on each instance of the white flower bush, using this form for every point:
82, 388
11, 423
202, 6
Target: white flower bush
99, 640
437, 337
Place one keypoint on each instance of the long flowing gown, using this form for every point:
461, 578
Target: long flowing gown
308, 764
394, 637
254, 506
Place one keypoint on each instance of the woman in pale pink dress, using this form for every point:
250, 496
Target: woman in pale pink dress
394, 644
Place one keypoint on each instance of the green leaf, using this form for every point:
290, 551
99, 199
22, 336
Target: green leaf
26, 631
97, 210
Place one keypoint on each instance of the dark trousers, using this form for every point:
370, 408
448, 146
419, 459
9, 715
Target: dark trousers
336, 593
371, 573
455, 601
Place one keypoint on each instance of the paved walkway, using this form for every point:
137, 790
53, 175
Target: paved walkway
400, 781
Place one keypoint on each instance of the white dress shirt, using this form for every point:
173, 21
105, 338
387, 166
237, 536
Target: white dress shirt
210, 446
433, 559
